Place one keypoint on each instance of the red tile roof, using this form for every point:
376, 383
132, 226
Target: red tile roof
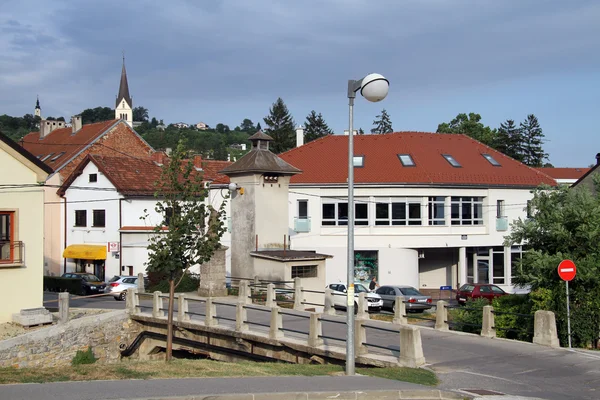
564, 173
63, 140
325, 161
211, 171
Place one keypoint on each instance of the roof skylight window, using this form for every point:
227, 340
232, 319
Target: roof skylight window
406, 160
47, 157
358, 161
56, 157
452, 160
492, 160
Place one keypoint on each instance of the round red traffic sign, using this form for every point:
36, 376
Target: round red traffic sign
567, 270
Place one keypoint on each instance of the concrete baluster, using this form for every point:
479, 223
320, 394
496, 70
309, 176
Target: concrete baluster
400, 311
441, 316
328, 302
63, 307
241, 316
488, 328
132, 301
211, 313
315, 330
360, 337
271, 296
141, 284
363, 307
411, 347
298, 296
544, 329
157, 305
256, 288
182, 308
244, 293
275, 331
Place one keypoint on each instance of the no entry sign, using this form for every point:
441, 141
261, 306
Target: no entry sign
567, 270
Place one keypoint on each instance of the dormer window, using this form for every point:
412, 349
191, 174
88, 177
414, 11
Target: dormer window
406, 160
452, 160
491, 160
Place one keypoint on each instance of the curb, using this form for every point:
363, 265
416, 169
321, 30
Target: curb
350, 395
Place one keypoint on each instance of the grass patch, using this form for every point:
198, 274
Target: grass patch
390, 318
199, 369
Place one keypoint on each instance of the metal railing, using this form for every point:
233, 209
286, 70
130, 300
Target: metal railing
11, 252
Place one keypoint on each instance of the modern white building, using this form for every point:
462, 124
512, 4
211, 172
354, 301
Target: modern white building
431, 210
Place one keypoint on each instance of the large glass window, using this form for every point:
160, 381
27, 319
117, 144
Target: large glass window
337, 213
398, 212
466, 210
436, 211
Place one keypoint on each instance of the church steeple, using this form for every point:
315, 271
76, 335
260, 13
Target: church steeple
38, 110
124, 104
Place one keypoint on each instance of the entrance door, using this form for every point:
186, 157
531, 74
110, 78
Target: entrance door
99, 269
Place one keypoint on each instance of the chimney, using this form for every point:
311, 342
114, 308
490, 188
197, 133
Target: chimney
198, 160
598, 159
299, 136
46, 127
159, 157
76, 123
346, 132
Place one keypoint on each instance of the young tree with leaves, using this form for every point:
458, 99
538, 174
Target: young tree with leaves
140, 114
471, 126
531, 132
383, 123
193, 227
509, 140
361, 131
280, 127
315, 127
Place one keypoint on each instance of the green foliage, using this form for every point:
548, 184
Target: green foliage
247, 126
532, 136
140, 114
464, 318
469, 125
188, 283
509, 140
280, 127
315, 127
17, 127
521, 327
565, 225
98, 114
383, 123
84, 357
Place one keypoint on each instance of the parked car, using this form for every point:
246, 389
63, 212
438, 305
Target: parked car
90, 284
339, 290
119, 284
478, 291
413, 299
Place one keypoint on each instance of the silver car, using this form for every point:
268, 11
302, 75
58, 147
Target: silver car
118, 285
413, 299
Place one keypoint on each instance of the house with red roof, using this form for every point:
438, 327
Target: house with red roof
105, 198
564, 176
431, 210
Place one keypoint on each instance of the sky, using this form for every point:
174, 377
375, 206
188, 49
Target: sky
226, 60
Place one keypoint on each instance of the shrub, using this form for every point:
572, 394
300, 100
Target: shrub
521, 326
189, 283
468, 318
58, 284
84, 357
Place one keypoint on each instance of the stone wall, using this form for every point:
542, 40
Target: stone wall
56, 345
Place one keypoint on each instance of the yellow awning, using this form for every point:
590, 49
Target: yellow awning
85, 252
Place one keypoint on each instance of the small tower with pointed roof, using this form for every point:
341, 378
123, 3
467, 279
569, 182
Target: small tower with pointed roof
124, 104
38, 111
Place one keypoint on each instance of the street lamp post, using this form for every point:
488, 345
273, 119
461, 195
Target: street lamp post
373, 87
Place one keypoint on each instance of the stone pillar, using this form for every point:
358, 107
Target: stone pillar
488, 328
211, 313
411, 347
182, 308
241, 316
328, 302
275, 331
212, 275
270, 302
298, 295
400, 311
157, 305
256, 288
141, 285
316, 330
244, 293
544, 331
132, 301
462, 266
63, 307
441, 316
360, 337
363, 307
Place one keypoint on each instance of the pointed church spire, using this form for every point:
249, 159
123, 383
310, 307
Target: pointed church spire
37, 103
38, 110
124, 87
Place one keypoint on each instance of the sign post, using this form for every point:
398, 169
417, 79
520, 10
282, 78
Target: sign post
567, 271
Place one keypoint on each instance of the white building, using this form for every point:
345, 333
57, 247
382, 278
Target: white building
181, 125
105, 199
201, 126
431, 210
564, 176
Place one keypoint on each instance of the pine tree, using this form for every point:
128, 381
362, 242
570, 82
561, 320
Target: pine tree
509, 140
360, 131
280, 127
383, 123
315, 127
258, 128
533, 153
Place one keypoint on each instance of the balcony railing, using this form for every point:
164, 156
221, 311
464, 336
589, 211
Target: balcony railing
11, 253
302, 224
501, 224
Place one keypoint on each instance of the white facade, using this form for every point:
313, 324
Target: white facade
125, 112
421, 254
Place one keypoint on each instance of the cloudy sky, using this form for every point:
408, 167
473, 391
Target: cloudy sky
225, 60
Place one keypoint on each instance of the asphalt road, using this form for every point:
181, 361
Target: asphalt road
462, 361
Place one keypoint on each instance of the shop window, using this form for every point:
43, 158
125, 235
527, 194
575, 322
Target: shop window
366, 266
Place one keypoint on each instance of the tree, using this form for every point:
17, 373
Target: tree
360, 131
533, 153
194, 228
315, 127
280, 127
565, 224
153, 123
140, 114
469, 125
509, 140
97, 114
222, 128
383, 123
247, 126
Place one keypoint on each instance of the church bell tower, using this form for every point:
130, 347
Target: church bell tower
124, 104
